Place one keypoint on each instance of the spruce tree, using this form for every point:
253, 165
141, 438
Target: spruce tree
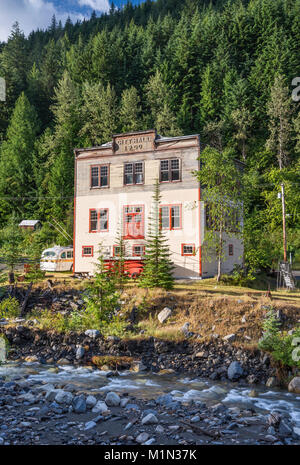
130, 111
17, 187
158, 267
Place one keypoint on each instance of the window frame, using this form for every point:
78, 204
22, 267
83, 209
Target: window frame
133, 163
170, 206
98, 210
99, 166
169, 160
143, 250
230, 250
188, 254
88, 247
114, 250
142, 213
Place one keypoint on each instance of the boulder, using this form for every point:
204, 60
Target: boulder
79, 404
91, 401
235, 371
63, 397
100, 407
80, 352
142, 437
294, 385
149, 419
112, 399
164, 315
272, 382
92, 333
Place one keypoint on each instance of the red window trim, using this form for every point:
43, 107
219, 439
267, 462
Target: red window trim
99, 175
230, 248
170, 171
188, 254
90, 247
114, 250
138, 245
170, 216
142, 236
98, 220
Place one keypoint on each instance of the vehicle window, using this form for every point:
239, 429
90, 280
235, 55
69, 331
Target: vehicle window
63, 255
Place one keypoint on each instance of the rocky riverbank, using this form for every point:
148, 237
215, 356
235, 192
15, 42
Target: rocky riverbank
217, 360
51, 408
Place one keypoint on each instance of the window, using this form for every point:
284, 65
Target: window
188, 249
134, 222
117, 250
87, 251
138, 250
63, 255
170, 170
170, 216
134, 173
99, 220
230, 249
99, 176
69, 254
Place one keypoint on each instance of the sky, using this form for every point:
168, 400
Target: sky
34, 14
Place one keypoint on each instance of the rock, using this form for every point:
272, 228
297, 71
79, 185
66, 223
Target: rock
92, 333
149, 442
80, 352
149, 419
296, 431
164, 315
294, 385
112, 399
100, 407
137, 367
166, 371
63, 361
63, 397
79, 404
160, 429
185, 329
124, 402
284, 429
142, 437
132, 407
272, 382
31, 359
235, 371
253, 393
252, 379
164, 399
91, 401
274, 419
28, 397
1, 441
51, 394
229, 338
270, 438
89, 425
195, 419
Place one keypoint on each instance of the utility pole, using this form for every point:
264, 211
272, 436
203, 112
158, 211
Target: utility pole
283, 222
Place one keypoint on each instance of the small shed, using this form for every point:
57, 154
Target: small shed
30, 224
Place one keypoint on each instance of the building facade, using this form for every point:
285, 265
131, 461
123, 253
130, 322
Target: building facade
113, 195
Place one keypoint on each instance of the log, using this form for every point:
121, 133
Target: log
199, 430
25, 301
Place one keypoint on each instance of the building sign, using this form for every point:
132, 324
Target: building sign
134, 143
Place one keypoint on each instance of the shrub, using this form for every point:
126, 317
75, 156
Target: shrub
280, 345
9, 308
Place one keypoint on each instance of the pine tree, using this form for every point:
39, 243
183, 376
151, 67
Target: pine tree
158, 267
17, 187
99, 112
130, 111
222, 196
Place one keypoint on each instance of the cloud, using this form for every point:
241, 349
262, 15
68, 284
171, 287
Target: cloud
97, 5
32, 14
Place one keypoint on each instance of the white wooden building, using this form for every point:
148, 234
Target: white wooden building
113, 189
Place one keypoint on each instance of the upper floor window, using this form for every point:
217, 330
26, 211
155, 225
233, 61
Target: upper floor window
99, 220
134, 222
134, 173
170, 217
99, 175
170, 170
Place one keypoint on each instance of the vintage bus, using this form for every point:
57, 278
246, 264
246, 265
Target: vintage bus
57, 259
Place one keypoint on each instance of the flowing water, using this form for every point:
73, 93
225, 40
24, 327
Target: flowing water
150, 386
